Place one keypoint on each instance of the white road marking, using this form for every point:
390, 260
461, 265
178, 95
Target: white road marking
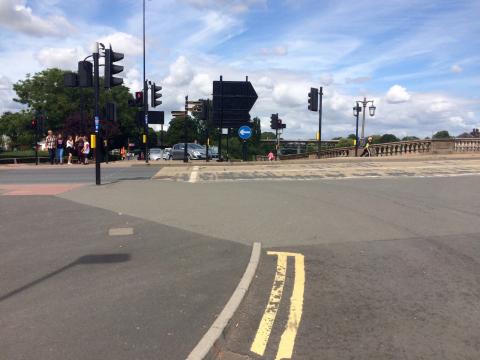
120, 231
194, 175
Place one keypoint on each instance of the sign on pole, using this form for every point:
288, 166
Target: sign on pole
245, 132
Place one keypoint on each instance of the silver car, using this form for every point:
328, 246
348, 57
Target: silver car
155, 154
194, 152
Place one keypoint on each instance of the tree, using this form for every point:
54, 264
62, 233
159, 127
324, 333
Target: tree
64, 108
388, 138
345, 142
175, 132
351, 137
410, 138
475, 133
441, 135
17, 126
268, 135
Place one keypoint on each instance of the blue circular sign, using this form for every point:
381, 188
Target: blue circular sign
245, 132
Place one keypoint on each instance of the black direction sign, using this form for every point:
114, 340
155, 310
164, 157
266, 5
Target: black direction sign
156, 117
236, 98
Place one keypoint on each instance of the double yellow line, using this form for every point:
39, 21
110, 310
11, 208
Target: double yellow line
287, 341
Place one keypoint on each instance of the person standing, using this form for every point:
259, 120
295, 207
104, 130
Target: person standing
79, 147
60, 147
69, 148
50, 144
86, 150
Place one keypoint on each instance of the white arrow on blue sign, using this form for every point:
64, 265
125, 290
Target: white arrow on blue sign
244, 132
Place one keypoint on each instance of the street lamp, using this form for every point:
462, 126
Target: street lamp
371, 110
356, 112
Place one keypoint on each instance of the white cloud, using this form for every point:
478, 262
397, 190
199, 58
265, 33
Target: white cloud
456, 69
234, 6
62, 58
124, 43
181, 73
397, 95
17, 16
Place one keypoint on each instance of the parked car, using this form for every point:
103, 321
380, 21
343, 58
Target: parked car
213, 152
194, 151
167, 153
155, 154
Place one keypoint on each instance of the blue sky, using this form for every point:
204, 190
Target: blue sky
418, 60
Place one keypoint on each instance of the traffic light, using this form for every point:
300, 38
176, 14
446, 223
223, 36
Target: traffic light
204, 111
313, 99
85, 71
154, 95
34, 124
111, 112
139, 98
274, 121
111, 69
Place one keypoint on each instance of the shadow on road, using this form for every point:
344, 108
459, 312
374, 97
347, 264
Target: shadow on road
83, 260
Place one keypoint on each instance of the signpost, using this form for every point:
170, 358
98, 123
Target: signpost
232, 102
245, 133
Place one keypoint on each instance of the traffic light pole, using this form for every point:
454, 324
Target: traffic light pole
320, 123
221, 121
185, 145
96, 86
356, 134
145, 117
145, 92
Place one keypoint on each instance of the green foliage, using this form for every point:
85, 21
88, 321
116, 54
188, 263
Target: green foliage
442, 135
410, 138
17, 126
63, 107
343, 142
175, 133
268, 135
388, 138
351, 137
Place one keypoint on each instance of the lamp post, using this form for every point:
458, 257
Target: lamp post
371, 110
356, 112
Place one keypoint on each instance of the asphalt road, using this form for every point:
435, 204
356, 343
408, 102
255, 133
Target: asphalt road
63, 174
354, 268
391, 266
69, 290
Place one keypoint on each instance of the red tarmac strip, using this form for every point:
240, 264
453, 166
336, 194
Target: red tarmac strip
37, 189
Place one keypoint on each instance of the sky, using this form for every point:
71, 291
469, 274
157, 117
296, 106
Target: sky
418, 60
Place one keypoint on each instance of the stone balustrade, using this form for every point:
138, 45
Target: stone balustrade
467, 145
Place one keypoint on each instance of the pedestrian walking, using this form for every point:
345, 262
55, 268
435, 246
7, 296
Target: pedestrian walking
70, 149
79, 148
366, 149
123, 153
50, 144
270, 156
60, 148
86, 150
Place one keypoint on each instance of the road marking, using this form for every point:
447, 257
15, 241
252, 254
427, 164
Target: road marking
194, 175
120, 231
266, 324
287, 340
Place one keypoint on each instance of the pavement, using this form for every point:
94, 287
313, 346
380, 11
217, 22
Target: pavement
379, 261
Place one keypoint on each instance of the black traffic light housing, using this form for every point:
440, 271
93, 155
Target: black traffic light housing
111, 112
111, 69
313, 99
85, 74
274, 121
154, 95
204, 112
139, 98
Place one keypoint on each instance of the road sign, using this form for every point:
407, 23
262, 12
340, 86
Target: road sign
245, 132
178, 113
236, 98
156, 117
